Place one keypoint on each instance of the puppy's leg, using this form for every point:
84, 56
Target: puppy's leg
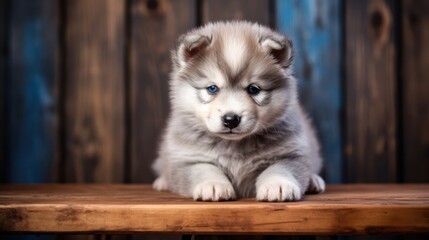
206, 182
317, 185
160, 184
283, 181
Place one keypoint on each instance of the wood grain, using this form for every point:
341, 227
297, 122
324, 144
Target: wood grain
4, 9
32, 88
343, 209
370, 92
315, 29
155, 26
415, 85
94, 92
223, 10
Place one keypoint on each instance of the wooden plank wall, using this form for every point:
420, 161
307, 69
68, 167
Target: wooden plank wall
31, 101
414, 82
4, 9
226, 10
154, 28
94, 91
84, 92
371, 91
315, 29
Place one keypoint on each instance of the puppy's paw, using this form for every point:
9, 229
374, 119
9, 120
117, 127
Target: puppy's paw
278, 191
213, 191
160, 184
317, 185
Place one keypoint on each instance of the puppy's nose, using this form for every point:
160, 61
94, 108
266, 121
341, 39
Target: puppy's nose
231, 120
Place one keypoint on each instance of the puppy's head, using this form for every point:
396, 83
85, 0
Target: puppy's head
233, 79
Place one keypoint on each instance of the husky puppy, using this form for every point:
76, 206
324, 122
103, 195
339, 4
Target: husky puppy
236, 128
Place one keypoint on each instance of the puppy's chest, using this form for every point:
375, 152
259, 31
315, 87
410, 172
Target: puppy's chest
238, 168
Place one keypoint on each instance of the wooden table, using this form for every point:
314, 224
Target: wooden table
127, 209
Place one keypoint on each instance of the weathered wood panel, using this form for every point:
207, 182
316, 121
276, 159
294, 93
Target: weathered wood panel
155, 26
370, 92
223, 10
415, 86
94, 92
315, 29
342, 209
32, 89
4, 10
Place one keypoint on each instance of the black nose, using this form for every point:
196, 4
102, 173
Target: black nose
231, 120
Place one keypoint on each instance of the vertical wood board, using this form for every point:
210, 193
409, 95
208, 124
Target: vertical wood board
224, 10
33, 76
4, 9
370, 89
155, 26
315, 29
94, 92
415, 87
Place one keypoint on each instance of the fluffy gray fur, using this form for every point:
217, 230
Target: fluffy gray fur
273, 153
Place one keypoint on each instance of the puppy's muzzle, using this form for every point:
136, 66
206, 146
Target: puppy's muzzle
231, 120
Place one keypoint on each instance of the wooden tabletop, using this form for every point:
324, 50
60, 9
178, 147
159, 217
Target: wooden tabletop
342, 209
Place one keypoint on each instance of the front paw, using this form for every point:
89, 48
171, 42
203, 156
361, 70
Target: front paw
316, 185
160, 184
213, 191
278, 190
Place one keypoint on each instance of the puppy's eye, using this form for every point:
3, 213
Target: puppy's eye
213, 89
253, 90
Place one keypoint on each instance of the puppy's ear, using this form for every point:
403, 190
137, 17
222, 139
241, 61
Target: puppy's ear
279, 47
191, 46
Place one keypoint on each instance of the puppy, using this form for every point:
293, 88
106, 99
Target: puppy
236, 127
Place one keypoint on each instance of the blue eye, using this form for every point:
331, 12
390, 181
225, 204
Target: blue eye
253, 90
213, 89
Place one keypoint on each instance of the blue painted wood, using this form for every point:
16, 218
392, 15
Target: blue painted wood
31, 103
314, 27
